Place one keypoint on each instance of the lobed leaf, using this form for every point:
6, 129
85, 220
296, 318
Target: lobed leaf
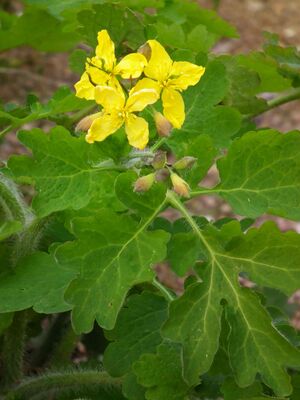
268, 178
254, 345
25, 287
66, 170
113, 252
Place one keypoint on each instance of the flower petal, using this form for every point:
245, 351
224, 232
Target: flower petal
173, 106
184, 74
103, 126
131, 66
137, 101
96, 75
109, 98
84, 88
146, 83
105, 51
160, 63
137, 131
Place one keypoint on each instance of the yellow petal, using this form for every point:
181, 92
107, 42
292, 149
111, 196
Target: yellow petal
131, 66
97, 76
146, 83
173, 106
160, 63
137, 131
105, 51
109, 98
84, 88
104, 126
137, 101
184, 74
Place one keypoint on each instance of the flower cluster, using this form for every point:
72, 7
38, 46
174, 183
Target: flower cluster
104, 81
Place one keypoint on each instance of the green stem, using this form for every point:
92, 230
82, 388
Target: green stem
50, 339
72, 384
158, 144
176, 203
76, 117
12, 203
61, 354
13, 350
287, 97
6, 130
165, 292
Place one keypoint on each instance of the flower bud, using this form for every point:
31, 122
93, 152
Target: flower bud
162, 174
85, 123
144, 183
180, 186
159, 160
163, 126
185, 162
145, 49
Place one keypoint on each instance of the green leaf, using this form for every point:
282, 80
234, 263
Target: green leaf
191, 14
77, 61
121, 22
25, 287
113, 252
203, 116
9, 228
244, 84
271, 80
200, 147
200, 40
143, 203
63, 101
66, 170
231, 391
268, 178
287, 59
137, 331
183, 252
254, 345
161, 373
46, 32
170, 35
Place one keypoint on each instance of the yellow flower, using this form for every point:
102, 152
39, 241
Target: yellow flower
118, 110
103, 68
170, 78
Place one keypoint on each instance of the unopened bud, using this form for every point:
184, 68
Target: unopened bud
145, 49
144, 183
161, 175
180, 186
159, 160
85, 123
185, 162
163, 126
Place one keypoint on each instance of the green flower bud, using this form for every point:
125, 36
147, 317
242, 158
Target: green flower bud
85, 123
159, 160
163, 126
185, 162
144, 183
180, 186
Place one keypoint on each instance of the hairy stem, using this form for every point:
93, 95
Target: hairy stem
50, 339
62, 352
13, 350
76, 383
